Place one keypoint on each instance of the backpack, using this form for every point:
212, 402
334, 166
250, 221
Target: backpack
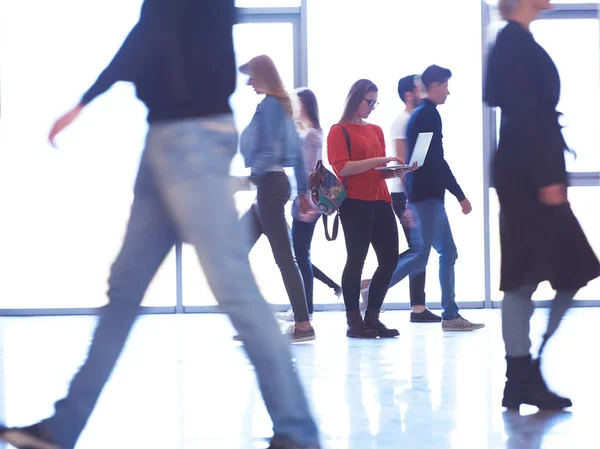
328, 193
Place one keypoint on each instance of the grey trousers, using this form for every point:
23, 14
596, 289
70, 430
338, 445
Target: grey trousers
517, 308
267, 216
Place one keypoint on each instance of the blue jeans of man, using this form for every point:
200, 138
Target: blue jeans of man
432, 230
183, 191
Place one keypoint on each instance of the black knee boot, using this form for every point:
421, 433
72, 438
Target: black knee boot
372, 320
525, 385
357, 327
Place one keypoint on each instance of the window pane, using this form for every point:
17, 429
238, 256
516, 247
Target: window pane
250, 39
580, 84
68, 207
578, 62
334, 67
581, 199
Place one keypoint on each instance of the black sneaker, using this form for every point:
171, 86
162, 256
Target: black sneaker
426, 316
32, 437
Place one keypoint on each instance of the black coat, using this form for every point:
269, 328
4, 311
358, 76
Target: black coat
538, 242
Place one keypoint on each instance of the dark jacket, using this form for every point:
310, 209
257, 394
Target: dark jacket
538, 242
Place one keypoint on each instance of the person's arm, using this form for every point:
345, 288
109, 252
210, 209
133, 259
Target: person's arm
431, 122
357, 167
339, 158
512, 82
300, 171
313, 146
450, 181
129, 60
270, 115
398, 134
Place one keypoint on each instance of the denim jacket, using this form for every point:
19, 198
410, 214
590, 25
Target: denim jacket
271, 140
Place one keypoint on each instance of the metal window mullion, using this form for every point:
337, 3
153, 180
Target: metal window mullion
268, 11
303, 60
489, 127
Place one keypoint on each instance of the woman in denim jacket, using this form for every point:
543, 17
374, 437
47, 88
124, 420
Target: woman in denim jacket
268, 144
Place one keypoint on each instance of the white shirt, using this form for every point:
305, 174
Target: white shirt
398, 133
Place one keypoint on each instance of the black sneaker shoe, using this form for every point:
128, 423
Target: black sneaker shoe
31, 437
426, 316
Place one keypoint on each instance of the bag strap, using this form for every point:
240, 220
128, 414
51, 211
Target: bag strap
345, 131
336, 220
334, 231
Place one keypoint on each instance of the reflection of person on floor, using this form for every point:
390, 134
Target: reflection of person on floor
268, 144
540, 237
303, 224
180, 58
528, 431
425, 191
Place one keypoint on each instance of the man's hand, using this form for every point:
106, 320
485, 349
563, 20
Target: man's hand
466, 206
553, 195
63, 122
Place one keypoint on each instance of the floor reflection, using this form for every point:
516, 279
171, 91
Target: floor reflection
185, 379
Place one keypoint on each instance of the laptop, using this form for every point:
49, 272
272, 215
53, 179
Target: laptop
418, 155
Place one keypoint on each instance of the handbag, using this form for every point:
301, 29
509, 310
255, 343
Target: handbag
328, 193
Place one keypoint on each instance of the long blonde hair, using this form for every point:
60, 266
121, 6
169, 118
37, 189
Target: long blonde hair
262, 68
506, 7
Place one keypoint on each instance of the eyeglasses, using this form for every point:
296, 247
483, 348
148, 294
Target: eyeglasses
371, 103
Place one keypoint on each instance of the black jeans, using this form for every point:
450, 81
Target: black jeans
267, 216
368, 223
416, 280
302, 235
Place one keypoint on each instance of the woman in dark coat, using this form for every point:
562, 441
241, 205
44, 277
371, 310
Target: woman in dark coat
541, 240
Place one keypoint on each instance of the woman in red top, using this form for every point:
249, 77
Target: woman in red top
367, 215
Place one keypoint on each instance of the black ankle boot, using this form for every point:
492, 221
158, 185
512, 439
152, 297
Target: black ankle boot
537, 377
357, 327
525, 385
372, 320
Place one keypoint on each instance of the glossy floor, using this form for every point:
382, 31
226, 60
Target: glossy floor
182, 383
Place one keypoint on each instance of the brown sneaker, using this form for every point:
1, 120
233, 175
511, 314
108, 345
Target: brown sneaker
459, 324
297, 335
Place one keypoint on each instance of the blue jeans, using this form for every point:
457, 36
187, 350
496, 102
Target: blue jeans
183, 190
433, 230
416, 280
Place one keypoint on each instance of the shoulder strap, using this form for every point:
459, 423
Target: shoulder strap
345, 131
336, 224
